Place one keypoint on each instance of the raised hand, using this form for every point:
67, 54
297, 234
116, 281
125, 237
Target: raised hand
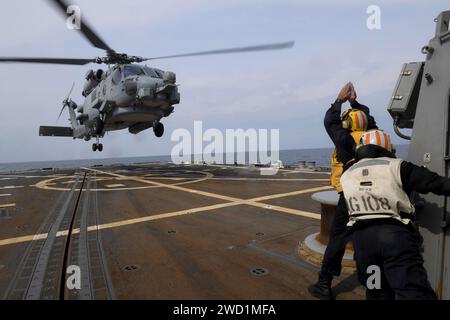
345, 92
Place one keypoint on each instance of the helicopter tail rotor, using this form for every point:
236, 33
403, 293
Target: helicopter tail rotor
66, 102
70, 92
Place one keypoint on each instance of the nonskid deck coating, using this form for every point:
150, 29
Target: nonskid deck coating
176, 232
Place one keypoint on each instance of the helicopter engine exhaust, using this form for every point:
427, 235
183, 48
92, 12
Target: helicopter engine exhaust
92, 80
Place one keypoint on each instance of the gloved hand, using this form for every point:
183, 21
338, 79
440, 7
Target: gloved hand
345, 92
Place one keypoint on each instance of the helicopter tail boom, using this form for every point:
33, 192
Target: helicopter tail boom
73, 118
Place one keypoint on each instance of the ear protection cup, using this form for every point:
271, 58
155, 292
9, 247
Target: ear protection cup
346, 121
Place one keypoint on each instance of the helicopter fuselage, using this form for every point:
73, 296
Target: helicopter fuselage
125, 96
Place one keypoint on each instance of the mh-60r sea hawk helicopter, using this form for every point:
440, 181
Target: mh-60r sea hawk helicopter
125, 95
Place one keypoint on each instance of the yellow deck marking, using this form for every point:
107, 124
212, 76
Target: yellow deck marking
251, 202
222, 197
10, 187
169, 186
293, 193
169, 215
5, 194
117, 185
48, 183
117, 224
166, 178
204, 193
22, 239
286, 172
296, 212
8, 205
160, 216
271, 179
30, 177
214, 207
231, 202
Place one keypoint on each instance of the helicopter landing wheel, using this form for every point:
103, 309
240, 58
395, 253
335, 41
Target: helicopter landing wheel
97, 146
158, 129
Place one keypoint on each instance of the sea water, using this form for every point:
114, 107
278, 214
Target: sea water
289, 158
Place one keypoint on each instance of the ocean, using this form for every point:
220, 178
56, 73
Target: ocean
289, 158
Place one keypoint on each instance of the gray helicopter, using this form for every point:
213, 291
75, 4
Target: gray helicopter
125, 95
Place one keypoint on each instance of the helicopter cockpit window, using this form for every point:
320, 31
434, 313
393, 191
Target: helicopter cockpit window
160, 73
154, 73
131, 70
151, 72
117, 76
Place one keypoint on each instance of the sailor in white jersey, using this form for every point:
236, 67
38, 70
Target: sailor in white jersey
377, 191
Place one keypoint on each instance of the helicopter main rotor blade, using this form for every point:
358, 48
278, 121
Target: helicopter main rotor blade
85, 29
265, 47
78, 62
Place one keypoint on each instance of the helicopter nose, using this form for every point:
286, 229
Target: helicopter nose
168, 92
145, 88
170, 77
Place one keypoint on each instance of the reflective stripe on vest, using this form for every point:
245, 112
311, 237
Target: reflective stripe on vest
373, 189
337, 167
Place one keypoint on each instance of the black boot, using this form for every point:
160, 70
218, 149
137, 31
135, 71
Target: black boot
322, 289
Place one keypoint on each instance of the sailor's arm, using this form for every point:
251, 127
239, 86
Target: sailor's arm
342, 140
332, 120
422, 180
333, 124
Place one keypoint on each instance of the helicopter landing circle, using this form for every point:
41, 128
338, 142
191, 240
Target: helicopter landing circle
120, 184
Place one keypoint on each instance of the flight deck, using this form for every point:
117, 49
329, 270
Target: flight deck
161, 231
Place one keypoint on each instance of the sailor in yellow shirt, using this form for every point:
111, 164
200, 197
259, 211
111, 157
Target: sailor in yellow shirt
345, 132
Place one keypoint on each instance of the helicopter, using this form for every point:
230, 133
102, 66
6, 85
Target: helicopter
126, 95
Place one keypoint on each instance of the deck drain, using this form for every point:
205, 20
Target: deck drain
21, 227
259, 271
171, 231
259, 234
130, 267
4, 214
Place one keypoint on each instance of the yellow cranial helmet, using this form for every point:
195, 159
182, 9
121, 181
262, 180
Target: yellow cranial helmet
354, 120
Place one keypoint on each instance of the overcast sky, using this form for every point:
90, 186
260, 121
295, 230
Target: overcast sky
289, 90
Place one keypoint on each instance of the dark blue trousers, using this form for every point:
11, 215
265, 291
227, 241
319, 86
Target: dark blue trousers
395, 249
339, 236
